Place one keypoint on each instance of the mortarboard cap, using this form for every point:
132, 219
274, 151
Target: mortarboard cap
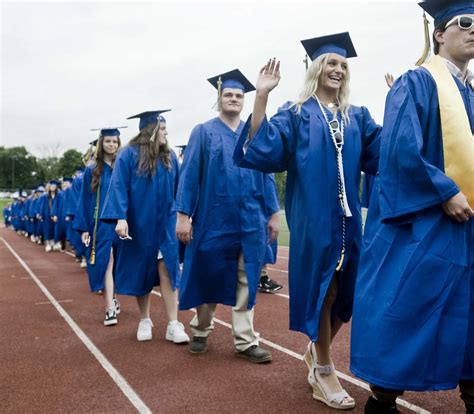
149, 117
54, 182
443, 10
234, 79
108, 132
339, 43
40, 189
68, 179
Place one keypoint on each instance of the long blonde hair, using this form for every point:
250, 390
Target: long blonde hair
313, 74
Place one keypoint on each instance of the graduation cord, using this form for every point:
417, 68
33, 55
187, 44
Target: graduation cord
338, 145
96, 219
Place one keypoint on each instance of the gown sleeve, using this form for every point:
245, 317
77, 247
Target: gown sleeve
117, 199
271, 147
409, 183
190, 175
272, 200
81, 219
371, 134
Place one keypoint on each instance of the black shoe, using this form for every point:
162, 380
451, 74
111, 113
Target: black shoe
374, 406
255, 354
267, 285
110, 317
198, 345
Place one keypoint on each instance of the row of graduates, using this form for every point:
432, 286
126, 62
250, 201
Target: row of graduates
46, 215
409, 286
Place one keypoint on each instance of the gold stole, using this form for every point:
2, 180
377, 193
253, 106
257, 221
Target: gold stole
458, 142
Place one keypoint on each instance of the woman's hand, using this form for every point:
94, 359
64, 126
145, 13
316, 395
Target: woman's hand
86, 238
268, 77
184, 229
458, 208
273, 227
122, 228
389, 79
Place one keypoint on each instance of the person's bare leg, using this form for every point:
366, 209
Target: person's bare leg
336, 327
109, 284
144, 306
170, 297
328, 381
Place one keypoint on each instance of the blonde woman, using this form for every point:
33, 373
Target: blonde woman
324, 143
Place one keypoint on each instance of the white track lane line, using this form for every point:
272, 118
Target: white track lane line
299, 357
124, 386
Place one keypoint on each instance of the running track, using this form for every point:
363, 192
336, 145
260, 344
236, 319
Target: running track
56, 356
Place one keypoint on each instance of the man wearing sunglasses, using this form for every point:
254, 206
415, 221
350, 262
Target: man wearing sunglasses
413, 320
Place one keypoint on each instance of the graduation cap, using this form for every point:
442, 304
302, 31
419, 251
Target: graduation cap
107, 132
441, 11
149, 117
40, 189
54, 182
234, 79
339, 43
181, 149
67, 179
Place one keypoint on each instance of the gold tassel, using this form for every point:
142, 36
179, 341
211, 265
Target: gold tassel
219, 87
305, 61
426, 50
341, 261
96, 221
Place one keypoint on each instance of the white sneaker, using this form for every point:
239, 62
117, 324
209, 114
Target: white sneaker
175, 333
83, 263
117, 306
144, 330
47, 247
57, 247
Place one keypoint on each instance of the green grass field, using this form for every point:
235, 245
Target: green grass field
284, 236
3, 203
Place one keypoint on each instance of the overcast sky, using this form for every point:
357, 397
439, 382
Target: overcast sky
67, 67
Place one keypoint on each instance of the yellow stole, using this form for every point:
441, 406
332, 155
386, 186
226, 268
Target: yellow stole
458, 142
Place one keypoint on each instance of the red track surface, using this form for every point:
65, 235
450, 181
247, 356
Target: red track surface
46, 368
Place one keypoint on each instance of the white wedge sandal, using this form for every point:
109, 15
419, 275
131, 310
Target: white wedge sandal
340, 400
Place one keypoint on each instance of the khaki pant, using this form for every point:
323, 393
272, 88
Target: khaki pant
242, 318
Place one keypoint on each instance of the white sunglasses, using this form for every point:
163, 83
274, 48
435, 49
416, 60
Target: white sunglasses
464, 22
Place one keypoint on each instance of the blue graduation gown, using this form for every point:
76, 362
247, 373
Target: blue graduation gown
58, 211
46, 206
25, 218
7, 215
32, 216
71, 207
367, 186
302, 145
15, 215
413, 325
37, 213
147, 203
229, 211
84, 221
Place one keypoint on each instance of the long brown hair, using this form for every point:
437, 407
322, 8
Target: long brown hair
100, 162
150, 150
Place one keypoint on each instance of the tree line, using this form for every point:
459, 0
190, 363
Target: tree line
21, 169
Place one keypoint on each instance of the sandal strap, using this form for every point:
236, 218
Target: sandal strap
324, 369
338, 397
